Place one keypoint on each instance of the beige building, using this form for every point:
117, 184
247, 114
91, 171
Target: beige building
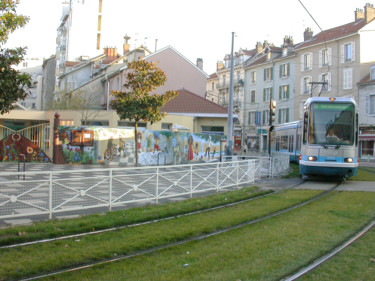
332, 62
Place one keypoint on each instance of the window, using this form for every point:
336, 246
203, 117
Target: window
301, 106
347, 52
252, 96
284, 92
372, 72
265, 116
213, 86
325, 57
306, 61
212, 130
284, 70
166, 126
268, 76
251, 117
253, 77
326, 79
267, 94
130, 124
224, 80
99, 123
283, 115
348, 78
305, 85
370, 100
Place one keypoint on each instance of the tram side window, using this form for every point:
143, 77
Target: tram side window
284, 143
305, 120
277, 143
291, 143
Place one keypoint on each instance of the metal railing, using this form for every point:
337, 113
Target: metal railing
53, 192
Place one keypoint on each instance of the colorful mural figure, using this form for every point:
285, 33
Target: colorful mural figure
113, 146
17, 147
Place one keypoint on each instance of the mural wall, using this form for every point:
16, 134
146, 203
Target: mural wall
113, 146
16, 147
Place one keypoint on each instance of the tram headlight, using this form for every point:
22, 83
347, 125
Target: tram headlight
348, 160
312, 158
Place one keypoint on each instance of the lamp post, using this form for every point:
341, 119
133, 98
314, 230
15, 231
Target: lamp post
229, 150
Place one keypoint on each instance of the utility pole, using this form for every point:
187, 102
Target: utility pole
271, 121
229, 150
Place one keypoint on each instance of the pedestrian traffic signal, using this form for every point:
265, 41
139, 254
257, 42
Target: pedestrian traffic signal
272, 112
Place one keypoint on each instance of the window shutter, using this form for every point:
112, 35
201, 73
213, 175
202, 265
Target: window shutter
287, 115
329, 56
271, 73
264, 94
264, 74
271, 93
279, 119
367, 104
287, 92
353, 51
311, 60
288, 69
320, 58
342, 53
280, 70
280, 92
302, 63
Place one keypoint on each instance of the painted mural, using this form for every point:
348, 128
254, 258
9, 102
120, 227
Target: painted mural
16, 147
113, 146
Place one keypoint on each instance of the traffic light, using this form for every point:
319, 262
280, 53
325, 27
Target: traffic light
272, 112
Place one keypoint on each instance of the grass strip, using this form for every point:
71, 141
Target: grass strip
269, 250
58, 228
356, 262
35, 259
364, 174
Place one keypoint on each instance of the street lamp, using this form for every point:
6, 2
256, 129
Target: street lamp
229, 150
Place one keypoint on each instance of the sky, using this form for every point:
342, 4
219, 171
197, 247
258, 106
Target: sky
195, 28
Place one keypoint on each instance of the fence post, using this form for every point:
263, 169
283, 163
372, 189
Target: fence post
50, 195
217, 176
157, 185
110, 189
238, 170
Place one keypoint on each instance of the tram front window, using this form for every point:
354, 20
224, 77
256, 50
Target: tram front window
331, 124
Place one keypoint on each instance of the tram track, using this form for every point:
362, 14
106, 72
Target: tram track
331, 254
187, 240
81, 235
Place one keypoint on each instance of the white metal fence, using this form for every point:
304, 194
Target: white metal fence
38, 193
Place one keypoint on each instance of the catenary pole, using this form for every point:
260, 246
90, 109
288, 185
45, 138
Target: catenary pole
229, 150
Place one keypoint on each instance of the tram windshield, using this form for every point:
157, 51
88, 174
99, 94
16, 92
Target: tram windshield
331, 124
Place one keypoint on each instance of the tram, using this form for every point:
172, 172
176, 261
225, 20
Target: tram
329, 144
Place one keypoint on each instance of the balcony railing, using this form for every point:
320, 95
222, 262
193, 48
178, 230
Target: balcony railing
236, 82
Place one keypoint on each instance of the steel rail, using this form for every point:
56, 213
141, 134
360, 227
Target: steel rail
145, 222
331, 254
181, 242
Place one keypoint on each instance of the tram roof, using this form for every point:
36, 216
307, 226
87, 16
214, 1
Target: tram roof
328, 99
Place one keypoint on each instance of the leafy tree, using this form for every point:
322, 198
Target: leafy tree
13, 84
138, 102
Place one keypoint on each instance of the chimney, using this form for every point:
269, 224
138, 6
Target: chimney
265, 44
359, 14
288, 41
219, 65
308, 34
258, 47
126, 46
369, 12
200, 63
111, 53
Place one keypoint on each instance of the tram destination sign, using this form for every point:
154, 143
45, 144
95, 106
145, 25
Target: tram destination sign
335, 106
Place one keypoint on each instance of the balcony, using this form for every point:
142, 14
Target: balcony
236, 82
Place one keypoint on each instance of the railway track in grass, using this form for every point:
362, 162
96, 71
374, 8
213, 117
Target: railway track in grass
331, 254
183, 241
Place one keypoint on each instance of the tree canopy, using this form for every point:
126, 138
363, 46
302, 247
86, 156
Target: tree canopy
13, 84
139, 102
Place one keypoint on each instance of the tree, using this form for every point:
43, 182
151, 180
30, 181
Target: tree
138, 102
13, 84
79, 100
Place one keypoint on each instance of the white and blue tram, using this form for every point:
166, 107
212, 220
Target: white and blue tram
329, 137
325, 142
